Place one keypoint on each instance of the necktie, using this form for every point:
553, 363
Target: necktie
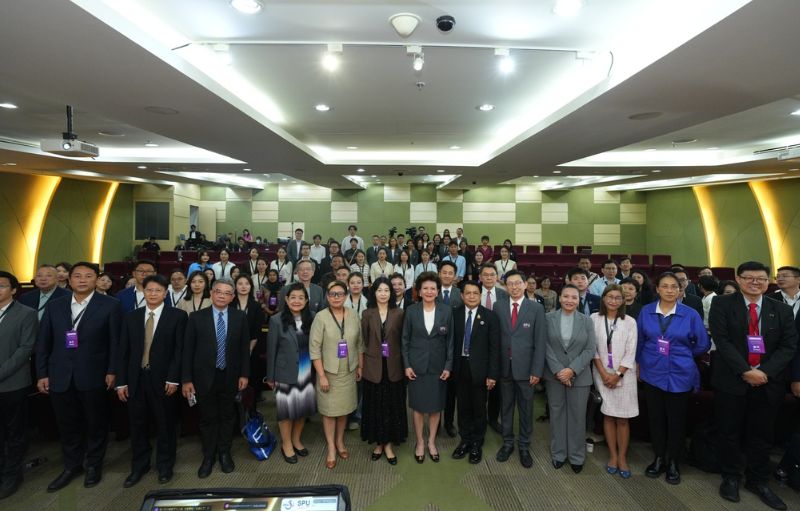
489, 300
220, 342
148, 338
753, 358
514, 314
42, 302
447, 297
468, 333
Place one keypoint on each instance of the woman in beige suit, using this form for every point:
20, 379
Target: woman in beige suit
198, 296
383, 419
335, 345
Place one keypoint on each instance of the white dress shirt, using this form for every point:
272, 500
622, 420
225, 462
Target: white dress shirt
77, 307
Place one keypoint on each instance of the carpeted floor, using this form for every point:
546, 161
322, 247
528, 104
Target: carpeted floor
448, 485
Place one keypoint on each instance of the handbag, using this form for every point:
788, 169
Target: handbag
258, 435
594, 396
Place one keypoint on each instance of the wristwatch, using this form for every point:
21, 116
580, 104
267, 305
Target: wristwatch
619, 373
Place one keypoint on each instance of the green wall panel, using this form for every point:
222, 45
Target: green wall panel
423, 193
118, 241
238, 216
496, 232
342, 195
212, 193
674, 226
569, 234
499, 193
269, 193
449, 212
529, 213
740, 228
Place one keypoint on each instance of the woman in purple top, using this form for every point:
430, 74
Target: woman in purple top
670, 335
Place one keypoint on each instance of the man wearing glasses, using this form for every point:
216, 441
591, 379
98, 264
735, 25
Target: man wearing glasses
216, 365
132, 298
756, 340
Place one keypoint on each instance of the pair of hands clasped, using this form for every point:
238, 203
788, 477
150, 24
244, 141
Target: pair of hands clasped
411, 375
565, 376
188, 388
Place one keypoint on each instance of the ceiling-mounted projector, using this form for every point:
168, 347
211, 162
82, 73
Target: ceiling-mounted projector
69, 145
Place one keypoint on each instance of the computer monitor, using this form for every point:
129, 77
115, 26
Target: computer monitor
307, 498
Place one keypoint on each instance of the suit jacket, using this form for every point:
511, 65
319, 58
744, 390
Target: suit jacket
127, 299
408, 299
455, 297
98, 338
499, 294
254, 314
165, 352
373, 356
694, 302
484, 351
283, 352
794, 367
393, 256
592, 300
17, 339
428, 353
577, 354
522, 348
728, 325
324, 340
292, 252
316, 298
31, 298
372, 254
200, 350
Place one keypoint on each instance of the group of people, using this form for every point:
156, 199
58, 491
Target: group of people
369, 344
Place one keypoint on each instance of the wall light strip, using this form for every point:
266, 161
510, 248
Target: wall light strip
780, 252
708, 215
44, 190
99, 224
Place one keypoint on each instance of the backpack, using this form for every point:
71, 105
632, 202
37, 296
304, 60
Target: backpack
261, 440
703, 448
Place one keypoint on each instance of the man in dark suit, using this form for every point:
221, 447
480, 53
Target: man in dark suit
523, 336
450, 295
150, 346
490, 294
18, 325
216, 364
76, 363
756, 340
476, 365
46, 289
372, 252
133, 297
589, 303
303, 273
293, 246
688, 299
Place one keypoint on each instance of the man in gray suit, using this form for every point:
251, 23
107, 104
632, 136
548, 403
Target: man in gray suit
304, 271
449, 294
523, 340
372, 252
293, 246
490, 294
18, 326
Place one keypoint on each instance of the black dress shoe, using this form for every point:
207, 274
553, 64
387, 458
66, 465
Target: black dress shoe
63, 479
673, 473
301, 452
576, 468
496, 427
134, 477
10, 486
205, 468
461, 451
504, 453
525, 458
729, 490
475, 455
450, 430
226, 462
557, 464
288, 459
655, 469
376, 455
392, 461
766, 495
92, 477
780, 475
164, 476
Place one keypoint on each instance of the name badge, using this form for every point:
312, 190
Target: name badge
342, 350
526, 325
442, 330
610, 361
273, 301
71, 339
663, 346
385, 349
755, 345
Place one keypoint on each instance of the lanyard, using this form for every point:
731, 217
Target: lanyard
664, 326
383, 268
139, 302
175, 300
383, 327
610, 332
261, 281
341, 327
194, 307
77, 318
44, 304
358, 309
504, 266
11, 304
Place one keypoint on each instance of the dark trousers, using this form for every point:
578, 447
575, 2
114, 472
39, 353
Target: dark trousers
746, 423
450, 402
13, 435
517, 394
151, 403
82, 418
667, 412
217, 416
494, 404
471, 396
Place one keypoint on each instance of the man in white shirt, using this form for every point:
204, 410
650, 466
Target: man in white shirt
346, 241
133, 297
788, 280
609, 277
585, 264
318, 250
460, 236
46, 289
177, 287
708, 287
293, 246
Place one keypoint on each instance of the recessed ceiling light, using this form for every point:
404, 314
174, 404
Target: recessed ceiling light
556, 172
686, 140
294, 182
373, 175
330, 61
322, 108
246, 6
440, 171
111, 133
150, 144
455, 147
796, 112
644, 116
283, 179
266, 175
352, 147
141, 167
535, 176
650, 150
418, 62
11, 164
10, 106
655, 171
247, 170
486, 107
712, 148
567, 7
790, 170
359, 170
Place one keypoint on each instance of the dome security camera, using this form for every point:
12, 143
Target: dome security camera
445, 23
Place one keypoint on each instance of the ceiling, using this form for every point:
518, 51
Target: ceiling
229, 97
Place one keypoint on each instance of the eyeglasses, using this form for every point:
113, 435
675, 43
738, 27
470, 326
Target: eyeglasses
224, 293
337, 294
515, 283
754, 280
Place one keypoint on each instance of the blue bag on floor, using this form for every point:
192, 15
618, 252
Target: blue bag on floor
262, 441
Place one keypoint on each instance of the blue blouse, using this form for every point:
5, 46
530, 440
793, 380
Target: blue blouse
676, 371
197, 267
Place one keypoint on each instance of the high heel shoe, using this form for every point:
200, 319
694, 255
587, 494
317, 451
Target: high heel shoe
420, 459
376, 455
343, 453
434, 457
301, 452
330, 464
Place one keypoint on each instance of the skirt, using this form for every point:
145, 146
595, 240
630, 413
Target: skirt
296, 401
383, 412
427, 393
342, 396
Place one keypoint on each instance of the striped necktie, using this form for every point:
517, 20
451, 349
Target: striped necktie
220, 342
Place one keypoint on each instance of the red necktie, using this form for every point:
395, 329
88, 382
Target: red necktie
514, 315
489, 300
753, 358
